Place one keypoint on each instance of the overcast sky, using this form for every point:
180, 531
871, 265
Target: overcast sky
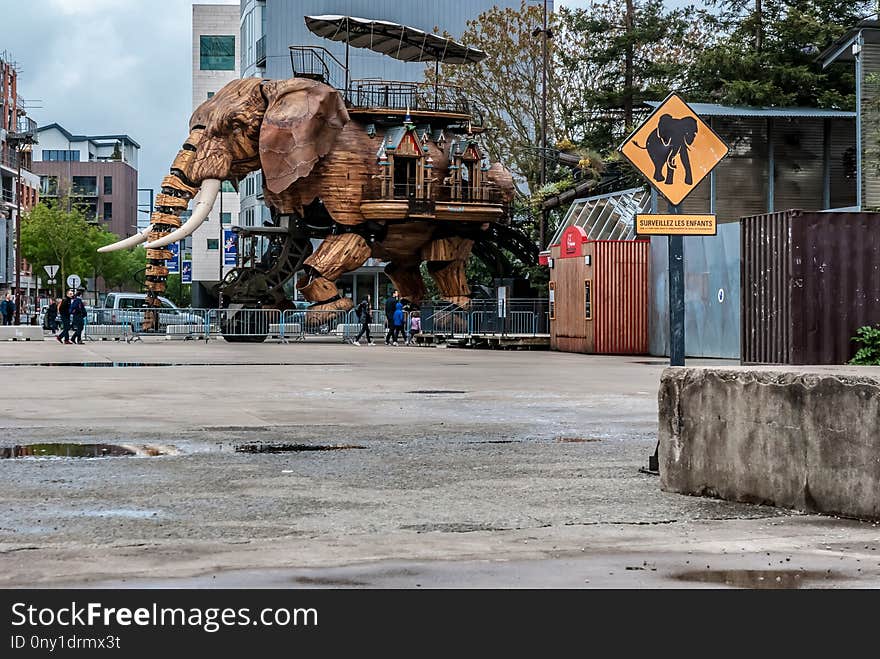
112, 66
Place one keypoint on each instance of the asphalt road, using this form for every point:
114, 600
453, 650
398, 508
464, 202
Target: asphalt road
438, 468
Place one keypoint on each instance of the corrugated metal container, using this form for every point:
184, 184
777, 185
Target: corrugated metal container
809, 281
621, 273
599, 295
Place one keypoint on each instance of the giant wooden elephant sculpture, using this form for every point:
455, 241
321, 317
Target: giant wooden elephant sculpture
402, 189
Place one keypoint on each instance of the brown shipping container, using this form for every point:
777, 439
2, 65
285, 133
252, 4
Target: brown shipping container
810, 280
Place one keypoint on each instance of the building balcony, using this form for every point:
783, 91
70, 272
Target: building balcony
382, 200
261, 51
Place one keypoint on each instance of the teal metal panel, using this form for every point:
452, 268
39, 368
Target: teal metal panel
711, 295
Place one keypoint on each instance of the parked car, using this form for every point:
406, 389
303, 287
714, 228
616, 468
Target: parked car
129, 308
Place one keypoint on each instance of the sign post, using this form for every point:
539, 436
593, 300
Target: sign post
675, 150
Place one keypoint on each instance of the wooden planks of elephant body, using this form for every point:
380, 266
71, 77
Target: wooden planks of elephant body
338, 179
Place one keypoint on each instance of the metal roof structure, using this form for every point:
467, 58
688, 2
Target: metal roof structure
607, 216
715, 110
867, 31
401, 42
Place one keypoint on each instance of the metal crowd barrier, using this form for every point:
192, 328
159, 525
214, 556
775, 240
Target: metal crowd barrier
523, 317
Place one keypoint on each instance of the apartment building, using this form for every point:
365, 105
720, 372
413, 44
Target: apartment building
17, 134
96, 173
215, 57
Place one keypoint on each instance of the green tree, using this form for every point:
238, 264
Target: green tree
118, 269
507, 85
611, 56
51, 235
765, 53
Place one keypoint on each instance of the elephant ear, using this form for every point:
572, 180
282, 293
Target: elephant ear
302, 121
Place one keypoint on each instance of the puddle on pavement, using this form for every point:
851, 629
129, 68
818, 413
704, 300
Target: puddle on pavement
65, 450
436, 391
149, 364
757, 579
293, 448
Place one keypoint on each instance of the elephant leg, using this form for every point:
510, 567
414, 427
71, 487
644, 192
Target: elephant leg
686, 163
451, 280
407, 280
333, 258
671, 166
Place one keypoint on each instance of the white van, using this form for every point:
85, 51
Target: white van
127, 308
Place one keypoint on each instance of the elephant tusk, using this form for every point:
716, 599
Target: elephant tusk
131, 241
207, 196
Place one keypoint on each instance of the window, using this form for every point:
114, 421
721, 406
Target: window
227, 186
86, 186
108, 211
210, 94
49, 186
552, 300
213, 243
588, 299
55, 155
226, 218
217, 53
108, 185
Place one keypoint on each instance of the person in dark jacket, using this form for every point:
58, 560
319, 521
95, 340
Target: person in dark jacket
7, 307
77, 317
390, 306
398, 319
365, 316
50, 319
64, 315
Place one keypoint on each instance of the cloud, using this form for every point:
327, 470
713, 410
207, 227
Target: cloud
107, 66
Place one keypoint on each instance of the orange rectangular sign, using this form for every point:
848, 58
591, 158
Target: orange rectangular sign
676, 225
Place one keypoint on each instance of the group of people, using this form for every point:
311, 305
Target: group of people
69, 313
403, 320
7, 309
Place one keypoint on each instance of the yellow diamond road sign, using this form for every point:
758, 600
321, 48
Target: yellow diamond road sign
674, 149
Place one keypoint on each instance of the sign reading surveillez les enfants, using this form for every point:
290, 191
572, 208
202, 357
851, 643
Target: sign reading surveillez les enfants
672, 225
230, 247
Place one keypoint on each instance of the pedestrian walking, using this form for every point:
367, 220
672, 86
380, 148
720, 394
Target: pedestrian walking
398, 323
50, 319
365, 316
415, 325
77, 317
7, 307
390, 306
64, 315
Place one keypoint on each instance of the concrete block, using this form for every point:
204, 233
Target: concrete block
104, 331
21, 333
350, 330
290, 329
808, 441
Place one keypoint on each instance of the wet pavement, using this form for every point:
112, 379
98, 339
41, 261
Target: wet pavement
329, 465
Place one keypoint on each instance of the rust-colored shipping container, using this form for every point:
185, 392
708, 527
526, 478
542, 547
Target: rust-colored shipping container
598, 295
809, 281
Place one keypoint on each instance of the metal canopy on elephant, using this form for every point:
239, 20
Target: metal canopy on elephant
398, 41
401, 42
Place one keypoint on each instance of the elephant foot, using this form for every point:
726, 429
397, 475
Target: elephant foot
328, 313
342, 304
